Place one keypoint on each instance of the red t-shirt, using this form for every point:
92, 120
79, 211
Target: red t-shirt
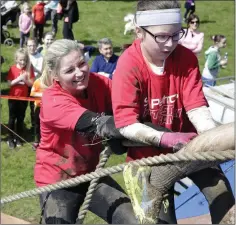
19, 90
139, 95
38, 11
62, 152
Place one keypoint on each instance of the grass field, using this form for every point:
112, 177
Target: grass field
97, 20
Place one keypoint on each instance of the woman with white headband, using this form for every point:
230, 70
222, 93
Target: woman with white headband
159, 82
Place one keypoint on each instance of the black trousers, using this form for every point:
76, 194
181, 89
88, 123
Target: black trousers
16, 115
215, 187
38, 32
67, 31
189, 10
109, 202
37, 124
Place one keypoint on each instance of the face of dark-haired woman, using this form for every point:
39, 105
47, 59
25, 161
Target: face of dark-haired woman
194, 24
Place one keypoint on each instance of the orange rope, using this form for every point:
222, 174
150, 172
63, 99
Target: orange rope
20, 98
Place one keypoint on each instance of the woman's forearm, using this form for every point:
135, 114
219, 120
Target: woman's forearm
141, 133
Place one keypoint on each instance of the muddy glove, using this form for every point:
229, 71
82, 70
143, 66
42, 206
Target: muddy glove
106, 128
170, 140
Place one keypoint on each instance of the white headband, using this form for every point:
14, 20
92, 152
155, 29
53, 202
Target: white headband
158, 17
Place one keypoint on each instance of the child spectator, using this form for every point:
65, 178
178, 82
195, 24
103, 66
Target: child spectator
39, 20
36, 60
20, 77
48, 38
193, 39
213, 60
37, 91
25, 24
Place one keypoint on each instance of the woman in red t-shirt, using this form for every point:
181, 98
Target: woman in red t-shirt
20, 77
70, 107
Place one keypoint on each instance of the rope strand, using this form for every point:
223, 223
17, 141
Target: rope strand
176, 157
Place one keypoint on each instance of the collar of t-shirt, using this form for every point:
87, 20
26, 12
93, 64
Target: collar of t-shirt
158, 70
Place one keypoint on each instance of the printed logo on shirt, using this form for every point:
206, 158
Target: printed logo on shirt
163, 111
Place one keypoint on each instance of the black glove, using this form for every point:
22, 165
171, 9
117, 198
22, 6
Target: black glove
106, 128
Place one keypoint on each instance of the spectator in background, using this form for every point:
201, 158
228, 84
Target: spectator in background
190, 8
36, 60
213, 60
39, 20
48, 38
20, 77
37, 91
51, 12
25, 24
71, 15
105, 63
193, 39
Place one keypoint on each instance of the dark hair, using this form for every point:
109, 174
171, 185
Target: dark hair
192, 17
217, 37
144, 5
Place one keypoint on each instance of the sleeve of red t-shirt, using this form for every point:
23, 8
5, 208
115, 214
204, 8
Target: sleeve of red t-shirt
193, 96
60, 111
108, 96
10, 74
125, 93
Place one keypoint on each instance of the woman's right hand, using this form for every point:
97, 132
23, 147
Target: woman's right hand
170, 140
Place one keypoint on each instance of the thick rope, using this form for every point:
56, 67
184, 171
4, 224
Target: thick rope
177, 157
104, 156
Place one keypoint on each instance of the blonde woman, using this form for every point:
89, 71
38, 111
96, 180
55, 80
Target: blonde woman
73, 104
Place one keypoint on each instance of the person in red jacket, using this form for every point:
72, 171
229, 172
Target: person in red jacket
70, 107
156, 80
39, 20
20, 77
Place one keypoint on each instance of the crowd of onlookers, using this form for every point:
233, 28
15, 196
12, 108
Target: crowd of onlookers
25, 76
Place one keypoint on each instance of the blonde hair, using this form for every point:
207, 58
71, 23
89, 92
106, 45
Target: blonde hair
24, 52
24, 6
56, 51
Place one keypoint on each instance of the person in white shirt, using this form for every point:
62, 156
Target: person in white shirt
36, 58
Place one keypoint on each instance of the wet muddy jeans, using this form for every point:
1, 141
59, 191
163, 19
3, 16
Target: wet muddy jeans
109, 202
216, 188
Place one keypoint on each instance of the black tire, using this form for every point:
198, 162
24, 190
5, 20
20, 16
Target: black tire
8, 42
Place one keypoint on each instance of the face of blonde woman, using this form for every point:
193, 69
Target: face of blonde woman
73, 74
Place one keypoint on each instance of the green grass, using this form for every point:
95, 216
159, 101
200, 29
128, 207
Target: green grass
98, 19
